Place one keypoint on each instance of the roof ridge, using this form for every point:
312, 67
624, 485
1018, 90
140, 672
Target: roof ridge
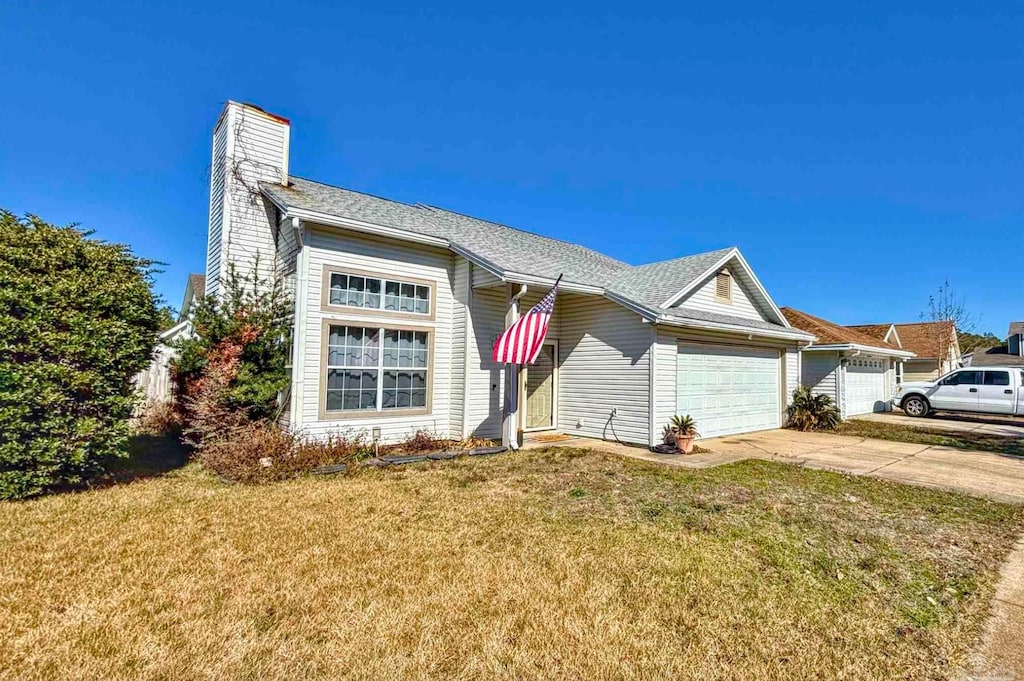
356, 191
434, 208
686, 257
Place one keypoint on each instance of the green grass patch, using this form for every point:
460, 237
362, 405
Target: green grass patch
896, 432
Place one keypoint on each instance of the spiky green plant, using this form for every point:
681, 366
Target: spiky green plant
812, 412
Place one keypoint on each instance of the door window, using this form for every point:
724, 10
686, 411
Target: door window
997, 378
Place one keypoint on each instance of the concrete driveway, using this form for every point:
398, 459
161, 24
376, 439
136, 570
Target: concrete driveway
985, 474
1010, 426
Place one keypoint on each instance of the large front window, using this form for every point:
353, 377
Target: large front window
376, 293
376, 368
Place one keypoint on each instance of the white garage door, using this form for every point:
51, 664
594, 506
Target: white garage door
865, 386
728, 390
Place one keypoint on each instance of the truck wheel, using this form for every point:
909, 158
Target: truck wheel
916, 406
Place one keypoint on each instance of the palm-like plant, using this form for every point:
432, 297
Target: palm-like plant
812, 412
684, 425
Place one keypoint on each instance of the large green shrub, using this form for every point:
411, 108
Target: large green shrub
78, 320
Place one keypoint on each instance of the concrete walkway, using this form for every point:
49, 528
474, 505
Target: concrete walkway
1001, 652
984, 474
989, 424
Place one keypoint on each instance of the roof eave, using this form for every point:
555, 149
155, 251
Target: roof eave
842, 347
786, 334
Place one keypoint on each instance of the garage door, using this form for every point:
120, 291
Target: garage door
865, 386
728, 390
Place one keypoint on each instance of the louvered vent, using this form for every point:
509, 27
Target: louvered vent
723, 286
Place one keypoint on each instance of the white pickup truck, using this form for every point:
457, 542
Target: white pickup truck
988, 390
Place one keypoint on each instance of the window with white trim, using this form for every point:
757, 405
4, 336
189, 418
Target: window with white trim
373, 293
376, 368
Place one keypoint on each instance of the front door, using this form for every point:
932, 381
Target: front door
541, 389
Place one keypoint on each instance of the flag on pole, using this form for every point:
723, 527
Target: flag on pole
521, 343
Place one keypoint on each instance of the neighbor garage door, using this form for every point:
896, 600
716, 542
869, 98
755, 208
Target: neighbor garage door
865, 386
728, 390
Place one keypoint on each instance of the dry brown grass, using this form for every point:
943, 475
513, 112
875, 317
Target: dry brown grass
550, 564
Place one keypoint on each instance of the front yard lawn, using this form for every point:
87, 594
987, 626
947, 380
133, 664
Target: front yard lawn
929, 436
544, 564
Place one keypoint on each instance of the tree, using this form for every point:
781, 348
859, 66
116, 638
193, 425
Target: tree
78, 320
969, 342
234, 367
946, 306
168, 317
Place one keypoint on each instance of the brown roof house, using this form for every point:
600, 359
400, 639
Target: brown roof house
858, 370
935, 345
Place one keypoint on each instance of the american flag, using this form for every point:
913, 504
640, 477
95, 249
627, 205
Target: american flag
521, 342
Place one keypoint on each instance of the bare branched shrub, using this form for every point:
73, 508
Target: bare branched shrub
265, 452
159, 418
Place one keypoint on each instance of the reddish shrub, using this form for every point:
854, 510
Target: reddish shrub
263, 452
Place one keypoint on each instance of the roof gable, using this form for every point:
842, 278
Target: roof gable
927, 338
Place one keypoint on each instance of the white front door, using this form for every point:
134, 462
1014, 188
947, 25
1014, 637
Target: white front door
865, 385
542, 390
729, 390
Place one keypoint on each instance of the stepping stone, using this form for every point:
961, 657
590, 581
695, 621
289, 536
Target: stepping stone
486, 451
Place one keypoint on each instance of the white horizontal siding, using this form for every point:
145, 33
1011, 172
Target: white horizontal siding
792, 360
460, 322
390, 258
485, 380
215, 233
821, 373
742, 305
604, 353
920, 370
483, 278
666, 358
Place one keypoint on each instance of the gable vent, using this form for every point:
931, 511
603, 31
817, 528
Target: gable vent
723, 286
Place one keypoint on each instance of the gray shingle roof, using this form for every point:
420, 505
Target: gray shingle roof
1015, 328
997, 356
514, 250
655, 283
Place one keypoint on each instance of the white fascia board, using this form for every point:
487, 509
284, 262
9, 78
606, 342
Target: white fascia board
648, 314
170, 333
844, 347
789, 334
529, 279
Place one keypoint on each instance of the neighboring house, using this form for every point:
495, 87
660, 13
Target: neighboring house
397, 307
857, 370
155, 381
935, 345
1011, 354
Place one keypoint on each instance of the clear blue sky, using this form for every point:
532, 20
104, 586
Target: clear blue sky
857, 155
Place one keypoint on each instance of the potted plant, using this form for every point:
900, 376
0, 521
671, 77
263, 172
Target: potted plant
684, 430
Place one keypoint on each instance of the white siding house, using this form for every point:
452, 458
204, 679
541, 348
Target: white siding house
398, 307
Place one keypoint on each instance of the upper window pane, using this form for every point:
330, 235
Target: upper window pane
964, 378
353, 290
997, 378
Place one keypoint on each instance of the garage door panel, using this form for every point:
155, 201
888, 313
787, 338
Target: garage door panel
865, 386
728, 390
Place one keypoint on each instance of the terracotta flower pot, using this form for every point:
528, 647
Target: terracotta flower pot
684, 443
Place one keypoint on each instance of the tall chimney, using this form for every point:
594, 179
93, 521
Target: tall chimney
249, 146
